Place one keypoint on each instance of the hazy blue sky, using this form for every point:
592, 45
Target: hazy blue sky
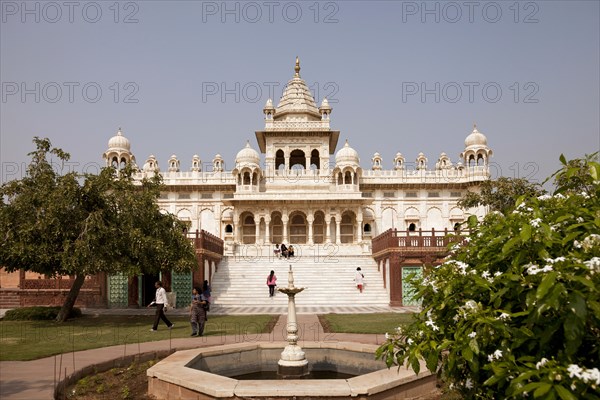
192, 77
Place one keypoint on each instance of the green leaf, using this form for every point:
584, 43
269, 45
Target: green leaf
542, 390
562, 159
467, 354
525, 232
546, 284
577, 304
563, 393
474, 346
510, 244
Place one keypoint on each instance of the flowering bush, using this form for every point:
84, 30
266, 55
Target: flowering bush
514, 311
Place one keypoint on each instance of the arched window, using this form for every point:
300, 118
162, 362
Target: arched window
456, 227
347, 228
412, 227
297, 229
348, 178
319, 228
314, 159
248, 229
246, 178
228, 228
276, 229
367, 229
279, 159
297, 158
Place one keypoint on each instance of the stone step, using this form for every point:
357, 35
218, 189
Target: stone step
329, 282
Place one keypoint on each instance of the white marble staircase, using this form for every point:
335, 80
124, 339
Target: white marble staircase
326, 272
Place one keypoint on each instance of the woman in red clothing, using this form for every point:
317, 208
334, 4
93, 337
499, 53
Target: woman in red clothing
271, 283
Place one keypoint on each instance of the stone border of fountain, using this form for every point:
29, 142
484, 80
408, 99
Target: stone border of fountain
174, 378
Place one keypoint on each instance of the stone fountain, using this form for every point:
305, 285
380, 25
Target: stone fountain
293, 363
337, 370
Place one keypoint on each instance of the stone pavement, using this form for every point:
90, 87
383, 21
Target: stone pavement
35, 380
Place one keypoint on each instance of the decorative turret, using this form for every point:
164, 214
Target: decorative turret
476, 150
118, 153
346, 156
269, 110
377, 161
173, 164
196, 163
325, 110
421, 161
443, 162
399, 161
218, 163
151, 164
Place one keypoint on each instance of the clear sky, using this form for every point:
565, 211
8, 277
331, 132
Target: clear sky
192, 77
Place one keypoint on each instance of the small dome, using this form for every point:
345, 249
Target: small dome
376, 155
476, 138
247, 156
119, 142
269, 104
346, 155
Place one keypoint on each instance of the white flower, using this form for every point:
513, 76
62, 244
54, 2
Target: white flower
574, 371
590, 242
520, 206
544, 197
472, 335
579, 220
541, 363
593, 264
504, 317
399, 330
535, 222
497, 273
498, 354
469, 383
532, 269
485, 274
387, 336
559, 196
547, 268
576, 244
409, 341
432, 324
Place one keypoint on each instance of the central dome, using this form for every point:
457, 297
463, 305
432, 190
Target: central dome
297, 98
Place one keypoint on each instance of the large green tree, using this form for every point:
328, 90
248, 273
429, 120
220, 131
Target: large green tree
79, 225
514, 311
500, 194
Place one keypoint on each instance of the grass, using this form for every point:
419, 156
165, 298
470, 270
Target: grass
28, 340
363, 323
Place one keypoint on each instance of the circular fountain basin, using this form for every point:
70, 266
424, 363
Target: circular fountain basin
210, 373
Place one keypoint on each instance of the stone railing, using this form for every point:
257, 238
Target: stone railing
433, 240
206, 241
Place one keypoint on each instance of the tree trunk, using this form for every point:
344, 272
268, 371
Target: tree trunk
71, 297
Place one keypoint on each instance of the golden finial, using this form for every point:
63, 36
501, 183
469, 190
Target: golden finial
297, 68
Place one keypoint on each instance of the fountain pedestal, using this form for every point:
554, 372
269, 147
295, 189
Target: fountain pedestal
293, 363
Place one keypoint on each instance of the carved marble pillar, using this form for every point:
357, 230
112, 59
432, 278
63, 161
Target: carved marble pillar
338, 230
237, 229
328, 230
267, 230
284, 220
310, 219
256, 230
359, 230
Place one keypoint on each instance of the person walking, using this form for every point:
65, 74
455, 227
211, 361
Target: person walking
161, 303
359, 279
272, 282
198, 312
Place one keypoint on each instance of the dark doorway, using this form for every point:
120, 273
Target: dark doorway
148, 289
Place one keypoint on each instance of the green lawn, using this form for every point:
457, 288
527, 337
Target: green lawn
28, 340
364, 323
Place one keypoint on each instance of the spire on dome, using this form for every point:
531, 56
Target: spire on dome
297, 68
